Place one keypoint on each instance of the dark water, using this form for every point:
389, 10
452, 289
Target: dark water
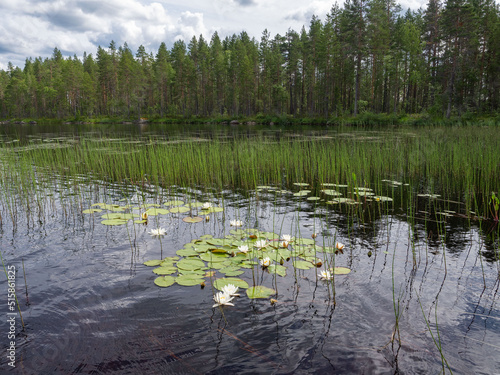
90, 306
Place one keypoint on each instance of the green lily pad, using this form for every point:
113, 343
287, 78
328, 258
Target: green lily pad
302, 193
277, 269
179, 210
218, 265
165, 281
302, 264
380, 198
114, 222
213, 210
186, 252
341, 270
190, 264
190, 219
174, 203
117, 215
260, 291
165, 270
213, 257
234, 273
153, 262
331, 192
305, 241
313, 198
92, 210
221, 283
301, 184
189, 280
157, 211
200, 273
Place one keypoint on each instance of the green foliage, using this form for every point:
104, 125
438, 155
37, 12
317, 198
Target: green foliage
365, 60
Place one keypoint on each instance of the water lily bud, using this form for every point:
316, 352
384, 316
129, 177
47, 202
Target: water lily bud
273, 301
319, 264
369, 253
314, 235
144, 216
207, 218
202, 284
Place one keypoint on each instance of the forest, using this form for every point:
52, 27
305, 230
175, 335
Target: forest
368, 56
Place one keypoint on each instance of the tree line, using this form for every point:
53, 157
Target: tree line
367, 56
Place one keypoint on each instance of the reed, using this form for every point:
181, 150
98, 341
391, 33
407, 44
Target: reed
459, 163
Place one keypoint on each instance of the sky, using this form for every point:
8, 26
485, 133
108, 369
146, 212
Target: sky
33, 28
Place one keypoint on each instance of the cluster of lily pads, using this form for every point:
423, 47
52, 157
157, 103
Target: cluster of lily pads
121, 214
330, 193
221, 260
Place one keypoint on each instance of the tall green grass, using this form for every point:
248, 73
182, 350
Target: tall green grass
460, 163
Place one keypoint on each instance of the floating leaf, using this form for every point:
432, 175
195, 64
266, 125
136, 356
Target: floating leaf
213, 257
200, 273
174, 203
300, 184
181, 209
341, 270
157, 211
380, 198
277, 269
186, 252
260, 291
189, 280
213, 210
114, 222
164, 281
153, 262
302, 264
305, 241
117, 215
221, 283
165, 270
190, 264
91, 210
302, 193
190, 219
219, 265
331, 192
233, 273
313, 198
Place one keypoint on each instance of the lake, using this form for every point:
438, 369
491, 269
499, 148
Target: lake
420, 295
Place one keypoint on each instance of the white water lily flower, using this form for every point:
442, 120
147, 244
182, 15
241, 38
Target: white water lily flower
236, 223
222, 298
260, 244
243, 248
266, 262
230, 289
339, 246
287, 238
206, 206
325, 275
284, 243
158, 232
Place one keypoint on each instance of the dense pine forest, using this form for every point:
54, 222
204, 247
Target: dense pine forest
367, 57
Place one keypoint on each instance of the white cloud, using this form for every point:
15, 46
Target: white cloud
32, 28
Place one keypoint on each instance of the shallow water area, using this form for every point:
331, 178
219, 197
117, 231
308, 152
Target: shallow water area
421, 296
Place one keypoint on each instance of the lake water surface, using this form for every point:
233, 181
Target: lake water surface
421, 297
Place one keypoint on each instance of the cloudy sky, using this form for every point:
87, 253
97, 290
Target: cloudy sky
33, 28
